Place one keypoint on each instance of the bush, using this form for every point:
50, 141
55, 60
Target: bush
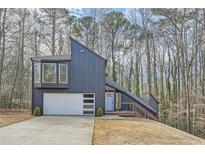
37, 111
99, 112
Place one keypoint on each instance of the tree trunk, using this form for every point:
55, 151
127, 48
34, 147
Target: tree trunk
122, 72
15, 76
203, 58
196, 59
21, 78
203, 78
93, 30
188, 107
142, 79
3, 47
53, 31
162, 95
137, 86
130, 75
148, 64
0, 26
114, 73
155, 70
35, 43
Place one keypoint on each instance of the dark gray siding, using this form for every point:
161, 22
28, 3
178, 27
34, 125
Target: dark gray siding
87, 75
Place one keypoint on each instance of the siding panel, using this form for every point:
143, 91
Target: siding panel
87, 75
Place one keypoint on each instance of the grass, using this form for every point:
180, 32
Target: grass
139, 131
6, 120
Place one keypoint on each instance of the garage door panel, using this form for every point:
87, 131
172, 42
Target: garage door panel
63, 104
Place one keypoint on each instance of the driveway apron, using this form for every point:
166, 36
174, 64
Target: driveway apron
48, 130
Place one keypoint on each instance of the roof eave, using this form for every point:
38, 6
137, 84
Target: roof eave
49, 60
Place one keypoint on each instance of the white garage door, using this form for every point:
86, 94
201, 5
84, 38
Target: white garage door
66, 104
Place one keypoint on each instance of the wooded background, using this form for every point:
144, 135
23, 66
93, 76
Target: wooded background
161, 51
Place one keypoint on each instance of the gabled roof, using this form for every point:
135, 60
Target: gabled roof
53, 58
118, 87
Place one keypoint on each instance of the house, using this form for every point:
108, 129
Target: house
77, 84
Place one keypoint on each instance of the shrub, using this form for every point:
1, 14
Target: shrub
99, 112
37, 111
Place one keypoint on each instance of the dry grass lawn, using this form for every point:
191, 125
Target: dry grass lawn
139, 131
10, 119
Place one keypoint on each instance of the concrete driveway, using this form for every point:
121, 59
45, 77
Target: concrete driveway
49, 130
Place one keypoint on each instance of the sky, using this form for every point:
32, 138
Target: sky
80, 12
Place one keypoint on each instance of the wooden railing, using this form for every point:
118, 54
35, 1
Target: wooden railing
135, 107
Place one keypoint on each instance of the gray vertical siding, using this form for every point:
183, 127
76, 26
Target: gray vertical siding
86, 75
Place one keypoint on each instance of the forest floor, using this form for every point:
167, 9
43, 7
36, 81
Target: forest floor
6, 120
6, 111
10, 116
139, 131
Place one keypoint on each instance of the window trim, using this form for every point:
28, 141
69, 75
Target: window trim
118, 96
59, 73
44, 74
39, 65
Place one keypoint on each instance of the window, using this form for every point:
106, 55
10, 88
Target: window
88, 112
88, 95
88, 101
37, 72
49, 73
63, 73
109, 95
88, 104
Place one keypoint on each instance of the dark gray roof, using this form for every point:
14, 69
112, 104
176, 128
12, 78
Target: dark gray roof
53, 58
118, 87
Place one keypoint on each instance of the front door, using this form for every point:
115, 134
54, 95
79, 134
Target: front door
109, 101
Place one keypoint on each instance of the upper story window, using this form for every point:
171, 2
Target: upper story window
37, 72
49, 72
63, 73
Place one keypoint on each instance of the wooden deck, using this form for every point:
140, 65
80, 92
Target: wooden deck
133, 111
123, 113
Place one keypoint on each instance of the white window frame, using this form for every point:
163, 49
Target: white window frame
66, 73
44, 72
38, 65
